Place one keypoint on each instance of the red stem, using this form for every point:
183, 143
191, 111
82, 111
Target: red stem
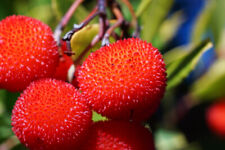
119, 22
64, 21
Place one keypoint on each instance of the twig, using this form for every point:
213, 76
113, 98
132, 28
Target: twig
102, 28
78, 27
134, 18
65, 20
116, 11
10, 143
102, 21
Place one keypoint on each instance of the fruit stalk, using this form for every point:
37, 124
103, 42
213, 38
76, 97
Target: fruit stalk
134, 21
120, 19
102, 21
65, 20
78, 27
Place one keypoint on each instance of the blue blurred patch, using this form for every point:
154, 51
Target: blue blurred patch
203, 65
205, 62
191, 9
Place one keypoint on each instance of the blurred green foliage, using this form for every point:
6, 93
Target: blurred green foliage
211, 85
178, 69
158, 26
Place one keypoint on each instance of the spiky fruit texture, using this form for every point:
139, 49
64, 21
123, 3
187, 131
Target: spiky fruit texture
118, 135
216, 118
27, 52
124, 80
65, 70
50, 115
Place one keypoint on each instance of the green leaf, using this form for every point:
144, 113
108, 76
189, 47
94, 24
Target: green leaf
55, 10
211, 86
81, 39
167, 29
153, 16
5, 121
203, 21
5, 128
97, 117
7, 100
36, 9
180, 68
6, 132
2, 105
175, 54
218, 21
142, 7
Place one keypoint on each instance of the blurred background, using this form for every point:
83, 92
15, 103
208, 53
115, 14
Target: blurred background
191, 36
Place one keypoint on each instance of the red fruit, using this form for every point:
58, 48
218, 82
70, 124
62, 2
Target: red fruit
118, 135
124, 80
63, 46
27, 52
50, 115
75, 82
65, 70
216, 118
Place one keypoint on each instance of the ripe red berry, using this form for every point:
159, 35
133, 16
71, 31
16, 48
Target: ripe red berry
118, 135
63, 46
27, 52
50, 115
75, 82
216, 118
124, 80
65, 70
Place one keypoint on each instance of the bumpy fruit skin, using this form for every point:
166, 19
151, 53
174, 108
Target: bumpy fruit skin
118, 135
27, 52
51, 115
216, 118
124, 80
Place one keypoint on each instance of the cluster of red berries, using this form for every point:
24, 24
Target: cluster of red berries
123, 81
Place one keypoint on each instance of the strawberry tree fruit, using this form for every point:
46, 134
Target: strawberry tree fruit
28, 52
118, 135
124, 80
51, 115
